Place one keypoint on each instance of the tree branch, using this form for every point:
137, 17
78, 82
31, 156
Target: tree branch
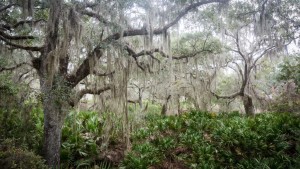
237, 42
84, 68
100, 18
83, 92
4, 35
6, 7
28, 22
20, 23
226, 97
104, 74
30, 48
239, 70
12, 68
260, 56
158, 31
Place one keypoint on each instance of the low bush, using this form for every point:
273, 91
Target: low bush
209, 140
15, 157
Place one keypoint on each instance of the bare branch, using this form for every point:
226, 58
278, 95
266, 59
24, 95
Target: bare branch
97, 16
133, 101
237, 42
84, 68
188, 9
30, 48
152, 56
159, 31
135, 56
239, 69
238, 46
227, 97
260, 56
4, 35
6, 7
83, 92
12, 68
104, 74
20, 23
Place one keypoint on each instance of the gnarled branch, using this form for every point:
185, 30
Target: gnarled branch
6, 7
30, 48
12, 68
158, 31
4, 35
83, 92
232, 96
84, 68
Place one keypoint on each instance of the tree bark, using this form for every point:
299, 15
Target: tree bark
248, 105
52, 128
140, 98
52, 104
52, 134
165, 106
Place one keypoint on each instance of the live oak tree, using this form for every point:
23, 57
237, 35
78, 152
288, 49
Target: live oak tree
257, 30
67, 42
244, 65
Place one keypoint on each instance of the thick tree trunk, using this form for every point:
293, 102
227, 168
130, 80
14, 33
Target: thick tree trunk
52, 129
165, 106
248, 105
52, 138
51, 104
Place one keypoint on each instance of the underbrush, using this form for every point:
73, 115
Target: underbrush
12, 156
191, 140
208, 140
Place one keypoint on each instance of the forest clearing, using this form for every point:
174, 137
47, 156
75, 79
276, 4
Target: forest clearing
161, 84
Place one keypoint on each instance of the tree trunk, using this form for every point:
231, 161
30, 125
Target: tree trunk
165, 106
248, 105
178, 104
140, 98
52, 129
52, 136
52, 104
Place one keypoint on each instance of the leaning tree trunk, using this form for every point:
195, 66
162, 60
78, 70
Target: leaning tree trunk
248, 105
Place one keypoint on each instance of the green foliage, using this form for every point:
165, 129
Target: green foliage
208, 140
25, 126
85, 135
196, 43
285, 105
20, 120
15, 157
7, 87
79, 136
290, 70
288, 99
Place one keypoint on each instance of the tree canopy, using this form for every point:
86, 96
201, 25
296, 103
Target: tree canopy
211, 55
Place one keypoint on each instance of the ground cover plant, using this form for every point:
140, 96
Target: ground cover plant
210, 140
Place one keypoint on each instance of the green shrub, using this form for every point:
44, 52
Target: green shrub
79, 136
209, 140
14, 157
25, 126
21, 118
